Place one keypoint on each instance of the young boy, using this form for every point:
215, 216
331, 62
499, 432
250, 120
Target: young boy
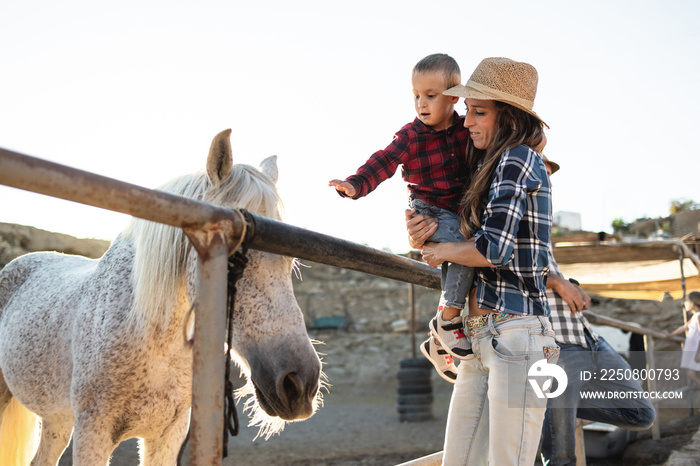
431, 150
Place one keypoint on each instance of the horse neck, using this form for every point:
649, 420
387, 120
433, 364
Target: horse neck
158, 277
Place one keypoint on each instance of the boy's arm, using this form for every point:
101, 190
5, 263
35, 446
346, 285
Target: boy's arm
344, 188
379, 167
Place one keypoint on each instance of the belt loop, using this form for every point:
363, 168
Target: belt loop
543, 322
492, 329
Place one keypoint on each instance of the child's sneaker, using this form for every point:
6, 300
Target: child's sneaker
450, 334
441, 359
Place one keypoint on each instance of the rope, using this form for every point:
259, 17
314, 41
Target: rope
245, 229
236, 264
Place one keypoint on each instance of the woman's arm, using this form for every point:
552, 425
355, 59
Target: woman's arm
515, 178
679, 330
462, 252
420, 228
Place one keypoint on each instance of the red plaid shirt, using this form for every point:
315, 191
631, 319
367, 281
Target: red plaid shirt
433, 164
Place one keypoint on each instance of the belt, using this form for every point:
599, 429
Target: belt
475, 322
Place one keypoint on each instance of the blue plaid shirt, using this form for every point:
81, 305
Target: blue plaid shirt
514, 235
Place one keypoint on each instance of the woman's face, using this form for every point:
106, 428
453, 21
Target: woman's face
691, 306
481, 122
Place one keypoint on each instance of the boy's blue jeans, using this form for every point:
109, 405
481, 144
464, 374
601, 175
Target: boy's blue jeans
558, 432
456, 280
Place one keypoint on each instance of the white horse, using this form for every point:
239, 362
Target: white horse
95, 347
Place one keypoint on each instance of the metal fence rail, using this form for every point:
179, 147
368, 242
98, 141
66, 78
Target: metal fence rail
44, 177
213, 231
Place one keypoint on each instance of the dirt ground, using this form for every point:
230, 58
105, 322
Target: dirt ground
351, 429
354, 427
359, 426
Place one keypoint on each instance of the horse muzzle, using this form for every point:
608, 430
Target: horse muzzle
292, 398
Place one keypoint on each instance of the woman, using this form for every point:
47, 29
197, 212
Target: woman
495, 415
691, 349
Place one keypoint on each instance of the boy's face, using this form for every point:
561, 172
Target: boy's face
433, 108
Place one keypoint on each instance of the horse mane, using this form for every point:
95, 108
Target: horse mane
161, 250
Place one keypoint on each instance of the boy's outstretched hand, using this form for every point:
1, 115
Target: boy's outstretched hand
343, 186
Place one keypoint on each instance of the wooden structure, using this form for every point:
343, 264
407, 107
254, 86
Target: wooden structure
637, 270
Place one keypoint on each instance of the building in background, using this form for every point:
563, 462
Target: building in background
570, 221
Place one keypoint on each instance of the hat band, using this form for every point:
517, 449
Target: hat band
499, 95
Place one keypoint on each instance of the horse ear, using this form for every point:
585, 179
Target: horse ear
220, 160
269, 167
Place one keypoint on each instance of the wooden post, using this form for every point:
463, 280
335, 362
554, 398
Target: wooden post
685, 313
415, 255
412, 313
580, 444
651, 365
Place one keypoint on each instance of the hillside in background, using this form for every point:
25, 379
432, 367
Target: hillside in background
16, 240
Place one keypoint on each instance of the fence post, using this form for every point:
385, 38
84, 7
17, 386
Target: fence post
208, 355
651, 366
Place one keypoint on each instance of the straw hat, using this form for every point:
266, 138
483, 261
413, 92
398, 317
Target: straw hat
504, 80
554, 166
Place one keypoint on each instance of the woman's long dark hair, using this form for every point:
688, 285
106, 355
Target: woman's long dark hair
513, 128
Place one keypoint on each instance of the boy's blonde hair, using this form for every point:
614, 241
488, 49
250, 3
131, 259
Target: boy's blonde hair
440, 63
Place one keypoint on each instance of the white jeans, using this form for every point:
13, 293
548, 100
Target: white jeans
495, 417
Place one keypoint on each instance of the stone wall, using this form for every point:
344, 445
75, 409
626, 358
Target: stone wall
686, 222
680, 224
372, 304
369, 303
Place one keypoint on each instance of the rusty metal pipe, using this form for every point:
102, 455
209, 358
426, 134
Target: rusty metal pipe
280, 238
44, 177
209, 357
52, 179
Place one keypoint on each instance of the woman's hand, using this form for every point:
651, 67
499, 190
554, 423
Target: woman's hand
420, 228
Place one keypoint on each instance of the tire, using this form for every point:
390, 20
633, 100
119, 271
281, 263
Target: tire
413, 373
415, 390
405, 409
414, 382
415, 417
415, 400
419, 363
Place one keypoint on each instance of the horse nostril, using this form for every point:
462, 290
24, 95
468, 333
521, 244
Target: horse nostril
290, 388
297, 396
314, 390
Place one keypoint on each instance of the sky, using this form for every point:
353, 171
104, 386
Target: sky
136, 90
